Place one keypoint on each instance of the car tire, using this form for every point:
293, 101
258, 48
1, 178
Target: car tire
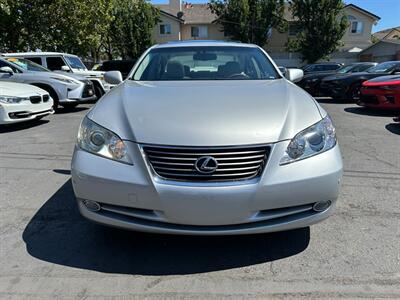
98, 91
354, 92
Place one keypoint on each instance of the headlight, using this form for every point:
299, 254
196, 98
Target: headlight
12, 99
100, 141
65, 80
314, 140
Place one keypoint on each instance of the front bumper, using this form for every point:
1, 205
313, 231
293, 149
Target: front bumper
332, 89
379, 98
24, 111
83, 94
133, 198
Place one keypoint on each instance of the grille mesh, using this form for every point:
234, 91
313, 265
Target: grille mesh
234, 163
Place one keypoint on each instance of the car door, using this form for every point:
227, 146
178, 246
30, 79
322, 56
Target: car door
55, 63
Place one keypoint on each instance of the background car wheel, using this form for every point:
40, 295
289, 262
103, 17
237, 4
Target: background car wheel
98, 91
355, 92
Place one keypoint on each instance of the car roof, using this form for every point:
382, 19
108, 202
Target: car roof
192, 43
37, 54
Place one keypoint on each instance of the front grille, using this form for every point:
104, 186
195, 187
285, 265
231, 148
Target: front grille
234, 163
46, 98
35, 99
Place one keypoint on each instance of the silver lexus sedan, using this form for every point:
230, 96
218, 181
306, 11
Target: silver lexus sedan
206, 138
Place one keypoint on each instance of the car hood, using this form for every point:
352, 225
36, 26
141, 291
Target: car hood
206, 113
19, 89
87, 73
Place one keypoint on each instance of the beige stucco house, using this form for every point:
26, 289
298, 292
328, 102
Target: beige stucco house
388, 34
184, 21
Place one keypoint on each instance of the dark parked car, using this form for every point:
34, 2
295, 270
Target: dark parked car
348, 86
321, 67
124, 66
311, 82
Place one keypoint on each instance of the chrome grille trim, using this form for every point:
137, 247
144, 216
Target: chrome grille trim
236, 163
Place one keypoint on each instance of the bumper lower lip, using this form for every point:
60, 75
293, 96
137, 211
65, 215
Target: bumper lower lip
206, 209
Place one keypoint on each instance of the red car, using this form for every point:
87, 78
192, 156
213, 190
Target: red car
381, 92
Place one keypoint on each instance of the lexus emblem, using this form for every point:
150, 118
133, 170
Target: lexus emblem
206, 164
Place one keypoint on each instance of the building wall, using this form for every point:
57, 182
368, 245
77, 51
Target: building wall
362, 40
175, 30
214, 32
381, 52
350, 40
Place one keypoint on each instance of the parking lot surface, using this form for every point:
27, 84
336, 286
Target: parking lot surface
48, 251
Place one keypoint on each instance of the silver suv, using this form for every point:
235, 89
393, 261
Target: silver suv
65, 90
67, 63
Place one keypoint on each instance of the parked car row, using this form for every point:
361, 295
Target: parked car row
35, 84
367, 84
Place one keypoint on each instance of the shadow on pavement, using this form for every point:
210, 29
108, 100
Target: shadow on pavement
371, 112
58, 234
393, 128
67, 110
22, 125
62, 171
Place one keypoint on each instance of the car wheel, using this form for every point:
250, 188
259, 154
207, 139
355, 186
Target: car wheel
355, 92
98, 91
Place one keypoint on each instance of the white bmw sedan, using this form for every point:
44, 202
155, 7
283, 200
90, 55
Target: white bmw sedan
22, 102
206, 138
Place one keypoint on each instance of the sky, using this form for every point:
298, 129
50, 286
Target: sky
388, 10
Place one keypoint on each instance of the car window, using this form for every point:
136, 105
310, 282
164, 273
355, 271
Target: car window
331, 67
36, 60
385, 67
55, 62
75, 62
26, 64
6, 64
205, 63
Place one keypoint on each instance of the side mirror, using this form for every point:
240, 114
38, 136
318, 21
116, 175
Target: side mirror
294, 75
65, 69
6, 70
113, 77
283, 70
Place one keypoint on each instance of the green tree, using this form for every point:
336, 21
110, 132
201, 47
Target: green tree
322, 25
249, 21
130, 32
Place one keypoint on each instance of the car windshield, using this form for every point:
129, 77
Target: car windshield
384, 67
26, 64
75, 62
346, 69
205, 63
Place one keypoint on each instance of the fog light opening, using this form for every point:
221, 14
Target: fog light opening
91, 205
321, 206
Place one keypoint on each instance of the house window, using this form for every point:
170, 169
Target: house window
355, 25
294, 29
165, 29
199, 31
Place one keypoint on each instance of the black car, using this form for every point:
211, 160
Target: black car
311, 82
347, 86
321, 67
124, 66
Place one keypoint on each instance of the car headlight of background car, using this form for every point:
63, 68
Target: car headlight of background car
314, 140
12, 99
100, 141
